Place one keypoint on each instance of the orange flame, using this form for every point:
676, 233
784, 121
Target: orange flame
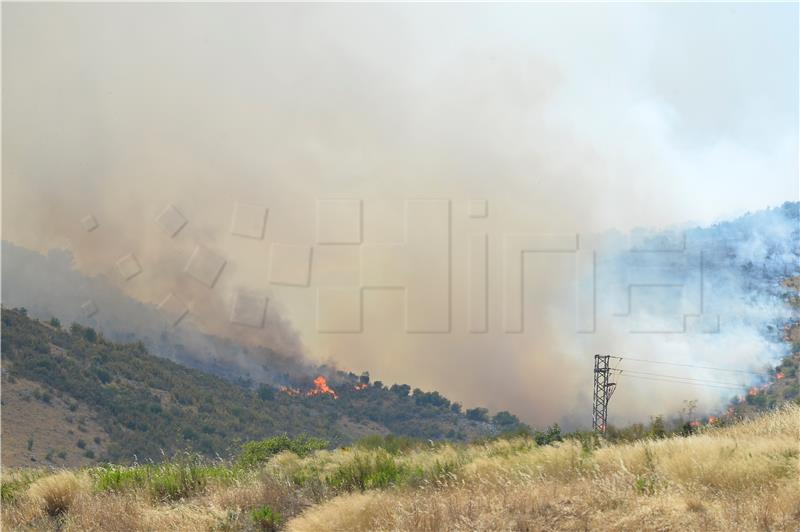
321, 387
293, 392
752, 391
361, 386
779, 376
694, 423
712, 420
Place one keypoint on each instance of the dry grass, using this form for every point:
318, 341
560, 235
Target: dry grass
55, 494
744, 477
738, 478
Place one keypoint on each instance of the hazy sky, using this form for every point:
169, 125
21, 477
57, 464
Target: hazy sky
566, 119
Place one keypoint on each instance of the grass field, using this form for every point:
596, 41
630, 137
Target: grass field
740, 477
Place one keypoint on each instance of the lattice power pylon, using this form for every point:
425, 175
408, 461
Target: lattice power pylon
603, 390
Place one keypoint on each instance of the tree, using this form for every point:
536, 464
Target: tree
430, 398
401, 389
55, 322
505, 419
657, 427
553, 433
266, 393
478, 414
90, 334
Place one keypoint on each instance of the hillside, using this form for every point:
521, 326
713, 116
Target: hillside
739, 477
50, 285
61, 387
785, 382
744, 261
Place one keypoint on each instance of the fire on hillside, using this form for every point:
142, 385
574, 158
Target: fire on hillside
320, 388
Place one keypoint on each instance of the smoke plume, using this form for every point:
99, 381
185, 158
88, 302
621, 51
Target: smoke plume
582, 120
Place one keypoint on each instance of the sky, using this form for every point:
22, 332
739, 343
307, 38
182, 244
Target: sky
564, 119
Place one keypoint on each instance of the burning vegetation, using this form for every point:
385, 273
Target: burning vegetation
320, 388
293, 392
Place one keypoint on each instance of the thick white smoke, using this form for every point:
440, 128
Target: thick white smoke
567, 119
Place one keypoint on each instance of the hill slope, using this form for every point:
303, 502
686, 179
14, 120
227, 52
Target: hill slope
142, 406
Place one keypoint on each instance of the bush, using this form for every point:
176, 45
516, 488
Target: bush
266, 518
367, 471
389, 443
257, 452
56, 493
8, 492
169, 481
552, 434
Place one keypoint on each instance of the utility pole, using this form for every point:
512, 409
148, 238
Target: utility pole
603, 390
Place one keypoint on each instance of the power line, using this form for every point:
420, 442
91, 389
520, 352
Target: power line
708, 381
693, 366
698, 384
603, 388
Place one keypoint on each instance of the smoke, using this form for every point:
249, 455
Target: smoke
50, 286
120, 110
700, 298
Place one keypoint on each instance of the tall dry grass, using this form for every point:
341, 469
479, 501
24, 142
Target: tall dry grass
743, 477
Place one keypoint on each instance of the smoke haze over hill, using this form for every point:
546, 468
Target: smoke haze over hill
711, 296
251, 115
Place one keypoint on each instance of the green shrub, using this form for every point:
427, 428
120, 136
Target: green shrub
266, 518
168, 481
367, 471
390, 443
8, 491
257, 452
